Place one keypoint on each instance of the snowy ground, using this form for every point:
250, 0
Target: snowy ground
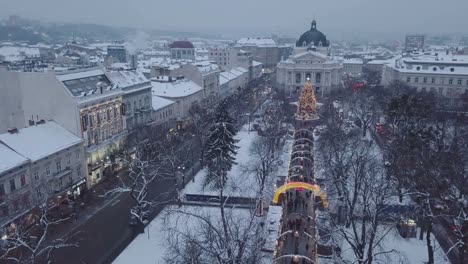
239, 184
407, 250
151, 247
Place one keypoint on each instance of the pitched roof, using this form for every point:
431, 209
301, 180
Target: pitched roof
39, 141
9, 159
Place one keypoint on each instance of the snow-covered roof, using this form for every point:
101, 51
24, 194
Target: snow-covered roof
378, 62
256, 63
240, 70
309, 53
402, 65
80, 74
39, 141
179, 88
228, 75
223, 80
206, 66
9, 159
438, 59
159, 102
353, 61
14, 53
259, 42
120, 65
128, 78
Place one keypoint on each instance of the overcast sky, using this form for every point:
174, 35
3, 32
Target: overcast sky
255, 16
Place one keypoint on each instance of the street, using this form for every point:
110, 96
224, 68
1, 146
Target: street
107, 232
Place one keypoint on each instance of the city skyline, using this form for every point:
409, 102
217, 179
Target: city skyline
341, 19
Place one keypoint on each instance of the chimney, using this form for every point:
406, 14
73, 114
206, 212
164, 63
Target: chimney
13, 130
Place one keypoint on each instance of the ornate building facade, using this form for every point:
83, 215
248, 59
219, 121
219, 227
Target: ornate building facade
310, 61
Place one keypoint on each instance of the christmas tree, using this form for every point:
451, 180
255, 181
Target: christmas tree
307, 103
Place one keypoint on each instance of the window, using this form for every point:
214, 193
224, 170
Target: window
77, 155
12, 185
318, 78
2, 189
38, 193
425, 80
298, 78
78, 171
459, 82
59, 166
23, 180
433, 80
441, 90
69, 160
450, 81
36, 175
466, 82
408, 79
416, 79
47, 170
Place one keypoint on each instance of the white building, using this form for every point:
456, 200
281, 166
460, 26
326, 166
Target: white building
264, 50
53, 166
15, 191
203, 73
324, 73
136, 97
232, 80
310, 60
444, 75
182, 50
84, 102
163, 112
353, 66
182, 92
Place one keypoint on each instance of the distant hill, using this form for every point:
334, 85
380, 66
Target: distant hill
16, 33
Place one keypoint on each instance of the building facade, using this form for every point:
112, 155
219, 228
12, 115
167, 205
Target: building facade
182, 50
414, 42
136, 97
52, 169
310, 61
264, 50
184, 93
118, 52
444, 75
163, 113
85, 102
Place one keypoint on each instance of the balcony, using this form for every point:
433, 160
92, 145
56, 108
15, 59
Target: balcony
62, 173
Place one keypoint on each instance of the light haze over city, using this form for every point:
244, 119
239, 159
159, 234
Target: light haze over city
338, 17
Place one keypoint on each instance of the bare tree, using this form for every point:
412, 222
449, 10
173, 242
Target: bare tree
265, 161
356, 176
144, 170
29, 241
201, 237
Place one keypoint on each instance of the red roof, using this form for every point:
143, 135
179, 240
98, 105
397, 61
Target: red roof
181, 44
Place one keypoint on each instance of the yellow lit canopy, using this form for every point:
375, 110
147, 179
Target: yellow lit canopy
292, 185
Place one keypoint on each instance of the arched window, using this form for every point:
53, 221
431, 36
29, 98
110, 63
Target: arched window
298, 77
308, 76
318, 77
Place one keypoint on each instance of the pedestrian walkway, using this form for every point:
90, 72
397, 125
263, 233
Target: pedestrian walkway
297, 242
